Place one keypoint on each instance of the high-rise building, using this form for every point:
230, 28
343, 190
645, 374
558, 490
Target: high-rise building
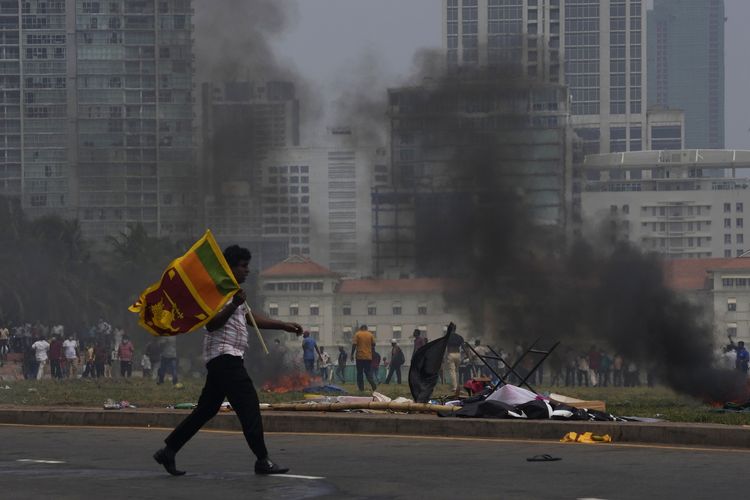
317, 198
526, 125
97, 116
686, 66
242, 123
599, 43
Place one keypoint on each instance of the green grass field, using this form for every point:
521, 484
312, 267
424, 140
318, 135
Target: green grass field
656, 402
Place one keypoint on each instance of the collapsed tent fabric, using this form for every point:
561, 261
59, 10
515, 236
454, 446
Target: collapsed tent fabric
425, 367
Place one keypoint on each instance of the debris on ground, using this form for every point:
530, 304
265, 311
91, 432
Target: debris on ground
111, 404
586, 437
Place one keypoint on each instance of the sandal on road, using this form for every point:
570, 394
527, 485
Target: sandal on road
543, 458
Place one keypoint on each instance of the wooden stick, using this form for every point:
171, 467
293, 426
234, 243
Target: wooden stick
255, 326
374, 405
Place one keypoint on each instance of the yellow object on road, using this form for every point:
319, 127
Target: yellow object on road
586, 437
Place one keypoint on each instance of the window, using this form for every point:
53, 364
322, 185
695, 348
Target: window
739, 207
727, 254
727, 222
346, 310
397, 309
727, 282
727, 208
314, 310
731, 329
373, 330
372, 309
727, 239
740, 222
731, 305
422, 309
273, 309
294, 310
740, 238
396, 332
626, 209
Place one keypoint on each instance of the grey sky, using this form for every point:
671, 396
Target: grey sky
330, 38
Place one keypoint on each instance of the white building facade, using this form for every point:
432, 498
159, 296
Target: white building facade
676, 203
332, 308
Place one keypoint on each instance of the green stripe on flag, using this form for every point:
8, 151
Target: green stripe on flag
210, 261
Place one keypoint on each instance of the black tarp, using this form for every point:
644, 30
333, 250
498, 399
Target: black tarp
425, 367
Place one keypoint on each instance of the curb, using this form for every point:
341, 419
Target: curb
701, 435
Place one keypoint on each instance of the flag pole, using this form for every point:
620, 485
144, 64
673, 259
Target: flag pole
255, 326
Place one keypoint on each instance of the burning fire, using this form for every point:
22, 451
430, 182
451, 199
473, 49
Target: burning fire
290, 383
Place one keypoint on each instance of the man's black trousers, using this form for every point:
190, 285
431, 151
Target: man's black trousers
228, 378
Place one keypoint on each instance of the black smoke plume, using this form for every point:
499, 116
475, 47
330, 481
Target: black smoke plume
477, 218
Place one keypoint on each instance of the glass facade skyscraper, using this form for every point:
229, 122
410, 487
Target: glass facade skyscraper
97, 116
595, 46
686, 66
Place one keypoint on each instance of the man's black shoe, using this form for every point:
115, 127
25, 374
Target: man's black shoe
265, 466
166, 458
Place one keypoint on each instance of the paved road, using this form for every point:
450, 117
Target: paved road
116, 463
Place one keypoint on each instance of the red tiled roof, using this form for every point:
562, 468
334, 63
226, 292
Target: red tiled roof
296, 266
691, 274
415, 285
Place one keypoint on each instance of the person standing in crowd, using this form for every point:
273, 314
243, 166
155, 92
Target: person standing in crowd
325, 364
397, 361
101, 358
595, 363
153, 351
453, 358
89, 369
55, 357
125, 353
617, 370
743, 358
583, 370
309, 352
146, 365
70, 350
363, 345
341, 367
168, 362
224, 345
4, 344
604, 369
419, 340
375, 365
41, 350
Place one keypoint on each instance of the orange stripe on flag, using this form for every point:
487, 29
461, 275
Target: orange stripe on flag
201, 280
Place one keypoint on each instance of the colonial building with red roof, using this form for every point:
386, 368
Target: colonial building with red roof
722, 286
332, 307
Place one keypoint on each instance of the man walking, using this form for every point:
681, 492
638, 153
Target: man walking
224, 346
397, 361
742, 358
309, 352
363, 344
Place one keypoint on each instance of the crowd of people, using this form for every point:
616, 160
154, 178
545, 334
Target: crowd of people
51, 351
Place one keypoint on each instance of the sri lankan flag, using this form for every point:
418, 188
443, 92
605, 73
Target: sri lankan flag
191, 291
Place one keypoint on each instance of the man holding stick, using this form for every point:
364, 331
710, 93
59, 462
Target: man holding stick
224, 346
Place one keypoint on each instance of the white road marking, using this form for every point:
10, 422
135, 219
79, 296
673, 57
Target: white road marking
295, 476
40, 461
